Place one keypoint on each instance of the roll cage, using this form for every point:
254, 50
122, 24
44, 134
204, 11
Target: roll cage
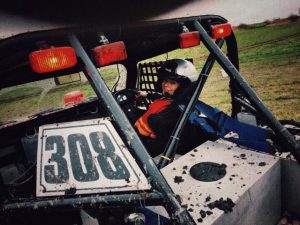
142, 41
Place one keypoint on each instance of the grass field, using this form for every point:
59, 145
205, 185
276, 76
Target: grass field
269, 61
272, 69
28, 100
270, 64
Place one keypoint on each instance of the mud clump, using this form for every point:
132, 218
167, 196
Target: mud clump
262, 164
200, 220
224, 205
209, 212
184, 206
202, 214
207, 199
178, 179
71, 191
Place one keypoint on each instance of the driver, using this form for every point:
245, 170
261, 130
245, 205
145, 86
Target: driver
156, 124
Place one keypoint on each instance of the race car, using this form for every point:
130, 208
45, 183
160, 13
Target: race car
82, 162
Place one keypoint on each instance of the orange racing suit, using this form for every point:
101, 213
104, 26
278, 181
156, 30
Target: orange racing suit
142, 124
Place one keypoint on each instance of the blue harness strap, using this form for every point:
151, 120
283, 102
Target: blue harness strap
219, 124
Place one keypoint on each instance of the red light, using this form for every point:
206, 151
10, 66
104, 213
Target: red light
52, 59
221, 30
73, 97
110, 53
189, 39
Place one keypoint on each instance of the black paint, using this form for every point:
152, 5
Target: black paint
208, 171
91, 173
108, 151
58, 157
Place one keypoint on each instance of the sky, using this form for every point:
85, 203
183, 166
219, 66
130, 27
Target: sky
238, 11
235, 11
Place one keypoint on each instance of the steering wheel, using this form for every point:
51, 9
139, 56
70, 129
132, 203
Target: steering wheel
131, 104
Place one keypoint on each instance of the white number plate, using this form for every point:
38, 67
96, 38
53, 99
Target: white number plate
85, 157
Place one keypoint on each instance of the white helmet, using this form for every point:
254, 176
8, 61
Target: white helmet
180, 70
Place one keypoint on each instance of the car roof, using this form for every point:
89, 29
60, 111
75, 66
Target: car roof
17, 17
143, 39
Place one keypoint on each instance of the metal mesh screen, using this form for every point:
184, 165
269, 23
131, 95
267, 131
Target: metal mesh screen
147, 77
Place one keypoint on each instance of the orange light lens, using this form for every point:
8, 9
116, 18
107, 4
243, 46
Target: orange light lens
52, 59
221, 30
110, 53
189, 39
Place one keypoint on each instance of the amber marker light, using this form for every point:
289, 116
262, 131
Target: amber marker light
110, 53
189, 39
52, 59
221, 30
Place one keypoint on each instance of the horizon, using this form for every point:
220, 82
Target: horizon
257, 11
